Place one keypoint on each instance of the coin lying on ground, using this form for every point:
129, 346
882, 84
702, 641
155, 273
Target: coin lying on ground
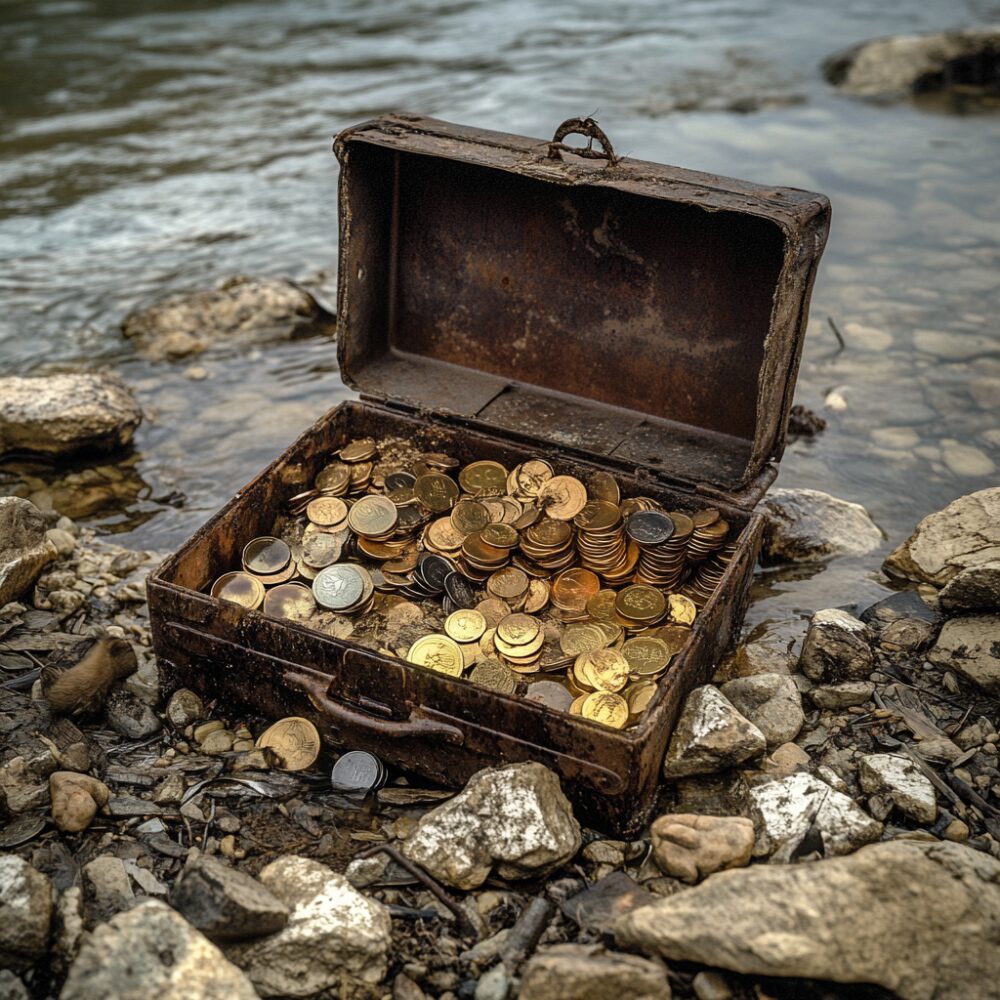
294, 740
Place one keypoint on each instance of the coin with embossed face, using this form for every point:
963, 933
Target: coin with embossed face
438, 653
494, 675
373, 516
327, 512
607, 708
465, 625
339, 587
435, 491
294, 740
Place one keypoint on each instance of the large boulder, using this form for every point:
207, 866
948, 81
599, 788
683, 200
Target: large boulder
589, 972
333, 934
66, 414
971, 647
25, 913
24, 549
224, 903
913, 64
516, 818
812, 526
243, 309
152, 951
920, 919
965, 535
711, 736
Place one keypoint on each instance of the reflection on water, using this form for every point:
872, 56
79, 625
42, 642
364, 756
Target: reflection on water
156, 146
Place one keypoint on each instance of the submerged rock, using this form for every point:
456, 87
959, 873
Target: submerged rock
971, 647
811, 526
914, 64
919, 919
152, 951
689, 847
246, 309
25, 913
964, 535
514, 817
711, 736
590, 972
66, 414
333, 933
24, 548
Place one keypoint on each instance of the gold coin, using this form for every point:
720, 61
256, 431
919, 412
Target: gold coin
289, 600
562, 497
334, 478
484, 479
518, 630
531, 476
646, 655
437, 653
327, 511
597, 515
602, 605
603, 486
573, 589
465, 625
500, 535
538, 596
675, 636
521, 652
581, 637
638, 696
640, 603
509, 583
606, 669
494, 610
266, 555
683, 610
703, 518
468, 516
577, 707
239, 588
494, 675
437, 492
443, 535
358, 451
294, 740
607, 708
373, 515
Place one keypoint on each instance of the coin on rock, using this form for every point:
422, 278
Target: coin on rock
437, 653
294, 740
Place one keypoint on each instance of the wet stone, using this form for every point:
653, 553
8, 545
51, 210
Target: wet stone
899, 778
837, 648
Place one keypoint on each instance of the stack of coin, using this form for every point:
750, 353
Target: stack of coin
546, 547
709, 535
663, 557
707, 576
639, 607
346, 588
601, 542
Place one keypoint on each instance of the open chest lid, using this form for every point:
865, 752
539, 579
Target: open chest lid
646, 314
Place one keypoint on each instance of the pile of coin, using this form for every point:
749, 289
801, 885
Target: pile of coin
524, 581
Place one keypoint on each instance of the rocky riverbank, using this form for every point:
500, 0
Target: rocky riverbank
829, 814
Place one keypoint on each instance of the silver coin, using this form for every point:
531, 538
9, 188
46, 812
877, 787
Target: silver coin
338, 587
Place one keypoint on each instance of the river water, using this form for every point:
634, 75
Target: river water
157, 146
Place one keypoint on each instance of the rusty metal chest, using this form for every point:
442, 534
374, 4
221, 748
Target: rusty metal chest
502, 297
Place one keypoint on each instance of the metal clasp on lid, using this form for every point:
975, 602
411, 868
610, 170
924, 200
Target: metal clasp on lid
589, 128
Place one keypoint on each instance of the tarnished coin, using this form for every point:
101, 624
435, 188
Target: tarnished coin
492, 674
358, 451
646, 655
562, 497
239, 588
436, 491
321, 549
339, 587
484, 479
327, 512
538, 596
602, 605
494, 610
581, 637
266, 555
290, 600
638, 696
295, 742
437, 653
461, 592
640, 603
465, 625
649, 527
372, 515
468, 516
607, 708
509, 583
550, 693
606, 669
703, 518
334, 479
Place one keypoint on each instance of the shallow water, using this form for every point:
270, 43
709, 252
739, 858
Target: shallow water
150, 147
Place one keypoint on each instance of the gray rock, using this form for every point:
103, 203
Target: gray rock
129, 716
920, 919
244, 309
26, 906
971, 647
974, 589
689, 847
786, 810
913, 64
151, 951
185, 708
513, 817
108, 886
812, 526
762, 656
69, 929
589, 972
66, 414
899, 778
837, 648
908, 635
226, 904
710, 736
494, 985
333, 934
771, 702
834, 697
24, 549
11, 988
965, 535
